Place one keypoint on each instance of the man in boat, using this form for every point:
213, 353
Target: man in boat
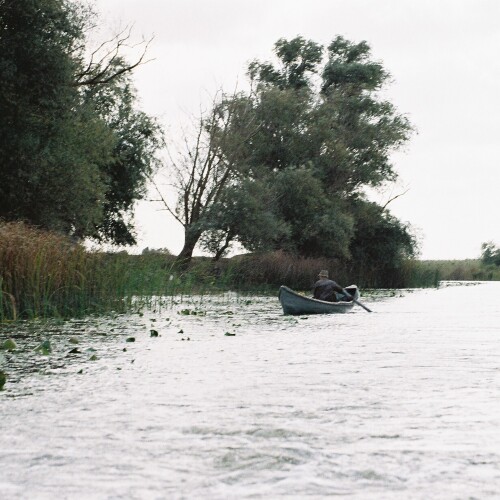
329, 290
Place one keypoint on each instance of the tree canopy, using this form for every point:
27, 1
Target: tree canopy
490, 254
75, 152
322, 134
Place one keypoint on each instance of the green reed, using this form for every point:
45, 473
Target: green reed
44, 274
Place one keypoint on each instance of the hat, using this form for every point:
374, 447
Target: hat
323, 273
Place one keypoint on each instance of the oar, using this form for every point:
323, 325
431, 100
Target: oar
356, 301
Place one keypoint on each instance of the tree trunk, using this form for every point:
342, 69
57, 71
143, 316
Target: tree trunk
186, 254
223, 248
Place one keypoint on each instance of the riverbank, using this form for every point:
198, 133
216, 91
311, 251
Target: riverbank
46, 275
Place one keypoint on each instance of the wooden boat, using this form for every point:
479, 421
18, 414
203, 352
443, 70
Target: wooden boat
295, 303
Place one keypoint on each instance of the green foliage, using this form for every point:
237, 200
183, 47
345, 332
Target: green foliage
8, 345
244, 213
285, 167
299, 59
133, 160
44, 274
381, 244
349, 69
324, 135
73, 158
319, 225
450, 270
490, 254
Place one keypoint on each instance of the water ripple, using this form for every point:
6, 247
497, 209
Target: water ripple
401, 403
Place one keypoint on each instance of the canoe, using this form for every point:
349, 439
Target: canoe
295, 303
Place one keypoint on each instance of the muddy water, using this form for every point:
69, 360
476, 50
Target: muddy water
238, 401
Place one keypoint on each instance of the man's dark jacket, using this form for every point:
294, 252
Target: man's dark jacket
324, 289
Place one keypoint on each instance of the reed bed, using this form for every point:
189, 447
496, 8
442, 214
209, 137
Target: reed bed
44, 274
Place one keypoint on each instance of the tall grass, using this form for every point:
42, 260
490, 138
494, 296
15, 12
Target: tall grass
279, 268
43, 274
444, 270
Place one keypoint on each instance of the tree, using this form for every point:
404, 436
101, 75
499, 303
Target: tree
380, 243
324, 136
137, 138
490, 254
297, 154
210, 164
63, 162
245, 213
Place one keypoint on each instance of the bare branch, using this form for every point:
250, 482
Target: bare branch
394, 198
110, 64
164, 201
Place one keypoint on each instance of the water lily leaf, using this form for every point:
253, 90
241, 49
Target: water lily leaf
9, 345
44, 348
153, 333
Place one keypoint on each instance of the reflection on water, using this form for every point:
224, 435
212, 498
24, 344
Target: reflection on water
401, 403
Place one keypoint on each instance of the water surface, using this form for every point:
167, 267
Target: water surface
401, 403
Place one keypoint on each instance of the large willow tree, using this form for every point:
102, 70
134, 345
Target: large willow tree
322, 133
326, 135
75, 152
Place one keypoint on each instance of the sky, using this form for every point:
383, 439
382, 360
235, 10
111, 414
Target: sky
445, 67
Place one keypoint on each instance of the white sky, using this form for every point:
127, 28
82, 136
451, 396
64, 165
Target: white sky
443, 56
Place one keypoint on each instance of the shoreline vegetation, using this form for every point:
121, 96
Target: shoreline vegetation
43, 275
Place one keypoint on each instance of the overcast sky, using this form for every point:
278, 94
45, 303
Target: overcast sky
444, 59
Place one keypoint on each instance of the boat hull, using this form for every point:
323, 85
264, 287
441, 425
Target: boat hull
296, 304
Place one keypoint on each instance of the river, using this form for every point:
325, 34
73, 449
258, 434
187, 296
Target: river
235, 400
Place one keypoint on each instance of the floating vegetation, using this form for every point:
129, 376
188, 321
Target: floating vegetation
9, 345
153, 333
130, 339
191, 312
229, 334
44, 348
3, 379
